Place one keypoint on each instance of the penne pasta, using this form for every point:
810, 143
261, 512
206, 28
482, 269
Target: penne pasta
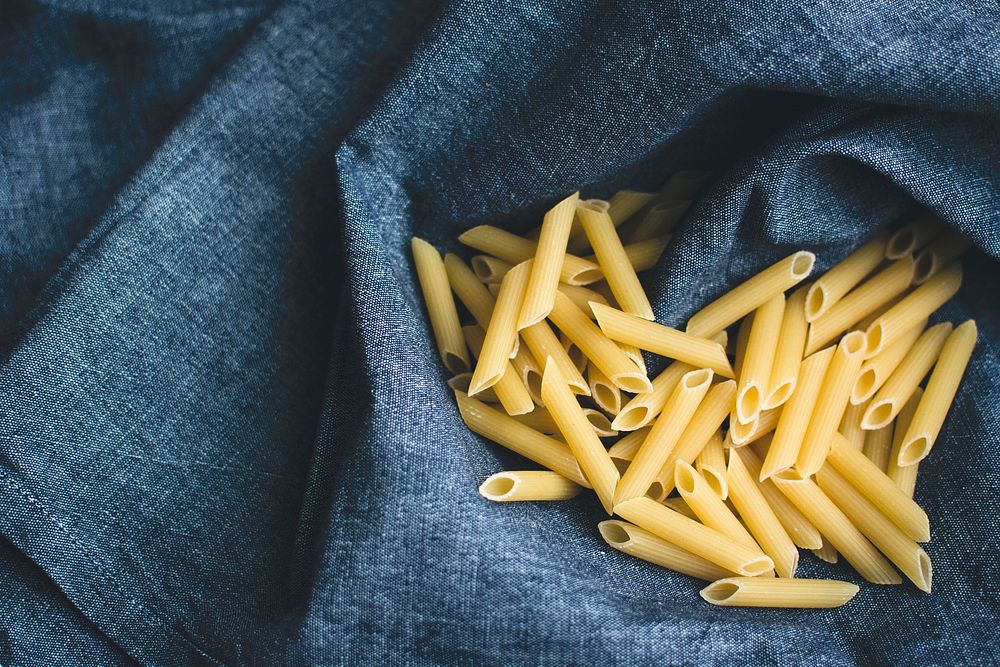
607, 396
913, 236
663, 437
740, 348
694, 537
582, 296
759, 518
835, 526
798, 527
938, 396
579, 435
626, 203
911, 370
708, 507
600, 422
878, 444
905, 477
614, 262
739, 433
843, 276
473, 295
529, 443
879, 489
905, 554
860, 302
789, 352
575, 354
659, 220
538, 419
461, 382
913, 308
678, 505
543, 343
827, 553
711, 464
833, 398
489, 270
529, 372
862, 325
850, 425
519, 485
707, 419
662, 340
942, 251
782, 593
515, 249
765, 424
547, 266
600, 350
643, 544
499, 345
751, 294
440, 303
510, 390
875, 371
645, 254
758, 359
626, 447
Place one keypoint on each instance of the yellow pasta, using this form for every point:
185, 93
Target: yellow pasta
614, 262
579, 435
519, 485
759, 518
547, 267
510, 390
441, 310
707, 419
473, 295
711, 463
489, 270
827, 553
879, 489
515, 249
742, 338
878, 444
798, 527
904, 477
660, 219
941, 252
543, 343
582, 296
755, 372
795, 415
843, 276
781, 593
600, 422
831, 402
662, 340
626, 203
529, 372
911, 370
708, 507
836, 527
635, 354
941, 388
863, 324
850, 425
745, 434
684, 184
678, 505
913, 236
663, 437
575, 354
694, 537
625, 448
601, 351
538, 419
860, 302
643, 544
751, 294
461, 382
789, 352
501, 334
875, 371
914, 307
524, 440
890, 540
607, 396
645, 254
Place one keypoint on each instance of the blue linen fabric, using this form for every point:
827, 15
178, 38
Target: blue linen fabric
225, 436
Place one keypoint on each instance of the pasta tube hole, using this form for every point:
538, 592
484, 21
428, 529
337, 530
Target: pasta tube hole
901, 243
780, 395
863, 386
600, 422
455, 364
877, 416
696, 379
926, 572
684, 477
815, 300
498, 487
854, 343
533, 381
585, 277
633, 384
655, 491
715, 481
873, 339
606, 398
719, 591
614, 533
802, 264
913, 451
749, 403
924, 267
632, 418
757, 566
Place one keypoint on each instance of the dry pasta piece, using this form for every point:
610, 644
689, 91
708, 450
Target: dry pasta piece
579, 435
711, 463
906, 554
878, 488
543, 343
662, 340
742, 338
751, 294
607, 396
827, 553
518, 485
643, 544
614, 262
524, 440
510, 390
803, 533
500, 343
529, 372
850, 425
626, 447
904, 477
659, 220
878, 444
942, 251
913, 236
441, 310
875, 371
678, 505
694, 537
645, 254
913, 308
843, 276
489, 270
860, 302
547, 267
759, 518
755, 372
635, 354
473, 295
626, 203
836, 527
938, 396
789, 351
461, 382
708, 507
782, 593
538, 419
598, 348
582, 296
831, 402
515, 249
663, 437
911, 370
600, 422
745, 434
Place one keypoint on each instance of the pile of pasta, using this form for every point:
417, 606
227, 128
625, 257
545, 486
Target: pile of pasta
808, 435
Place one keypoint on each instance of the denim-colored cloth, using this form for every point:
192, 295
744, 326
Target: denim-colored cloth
225, 436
